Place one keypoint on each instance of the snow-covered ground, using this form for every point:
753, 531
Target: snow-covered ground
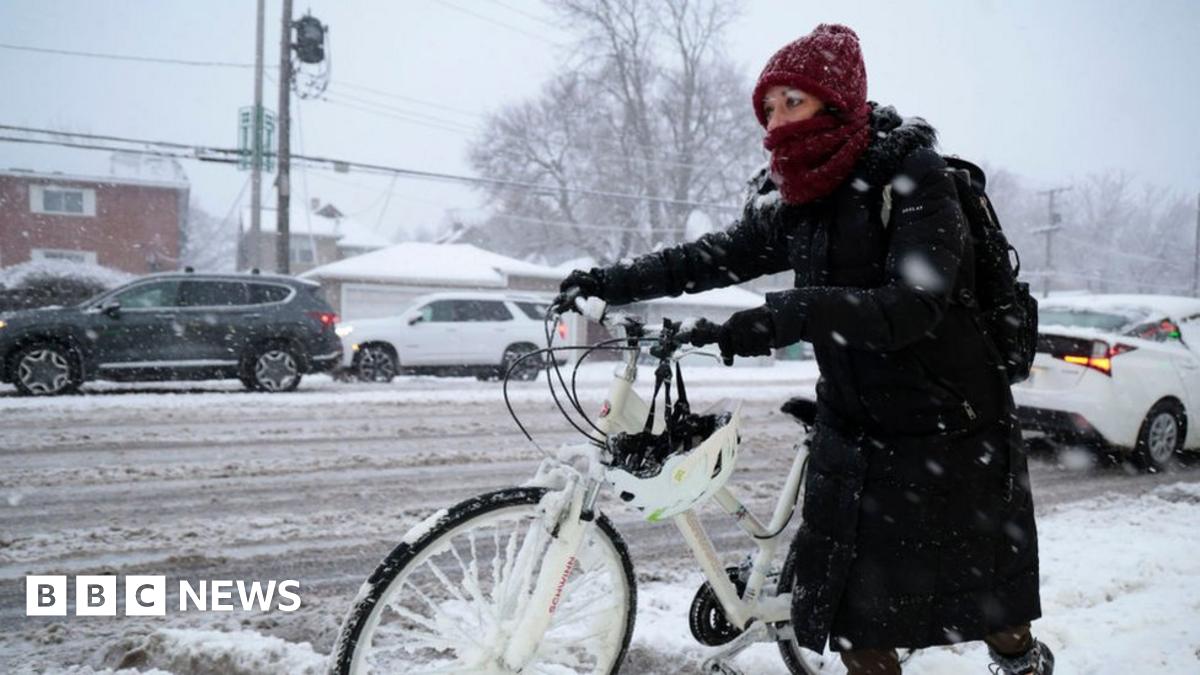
211, 482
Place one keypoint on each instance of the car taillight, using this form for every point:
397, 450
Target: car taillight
327, 319
562, 330
1101, 357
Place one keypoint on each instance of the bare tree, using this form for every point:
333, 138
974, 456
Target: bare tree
1117, 235
209, 243
648, 119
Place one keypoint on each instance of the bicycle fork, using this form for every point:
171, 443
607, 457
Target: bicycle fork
557, 564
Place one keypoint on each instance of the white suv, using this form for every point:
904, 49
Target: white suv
457, 333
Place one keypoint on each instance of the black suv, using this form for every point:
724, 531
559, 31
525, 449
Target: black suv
265, 330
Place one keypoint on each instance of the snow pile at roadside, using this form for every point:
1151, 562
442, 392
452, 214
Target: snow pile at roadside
15, 276
776, 383
199, 652
1120, 595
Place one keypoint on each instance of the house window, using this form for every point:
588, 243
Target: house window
62, 201
300, 250
62, 254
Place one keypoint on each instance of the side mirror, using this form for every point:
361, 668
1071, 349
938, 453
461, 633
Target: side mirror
112, 308
416, 320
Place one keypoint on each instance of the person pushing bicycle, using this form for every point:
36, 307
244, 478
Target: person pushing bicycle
918, 526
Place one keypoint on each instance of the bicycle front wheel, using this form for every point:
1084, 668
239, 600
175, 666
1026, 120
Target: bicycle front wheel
449, 601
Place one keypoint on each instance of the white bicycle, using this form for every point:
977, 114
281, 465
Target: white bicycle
536, 580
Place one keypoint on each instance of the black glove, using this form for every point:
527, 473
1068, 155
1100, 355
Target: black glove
578, 284
750, 332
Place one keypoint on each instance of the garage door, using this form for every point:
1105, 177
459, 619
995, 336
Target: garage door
365, 301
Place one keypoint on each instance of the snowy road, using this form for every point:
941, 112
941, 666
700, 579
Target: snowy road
213, 483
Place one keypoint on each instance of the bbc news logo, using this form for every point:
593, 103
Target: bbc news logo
146, 595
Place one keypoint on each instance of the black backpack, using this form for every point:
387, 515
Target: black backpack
1006, 310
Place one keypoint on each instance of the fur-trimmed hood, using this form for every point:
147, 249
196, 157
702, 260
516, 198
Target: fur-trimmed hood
892, 139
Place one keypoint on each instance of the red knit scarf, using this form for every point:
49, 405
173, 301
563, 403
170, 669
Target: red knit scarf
810, 158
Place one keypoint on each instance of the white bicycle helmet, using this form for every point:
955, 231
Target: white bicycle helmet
662, 475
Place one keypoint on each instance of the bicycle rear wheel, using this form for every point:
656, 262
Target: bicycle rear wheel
447, 602
799, 661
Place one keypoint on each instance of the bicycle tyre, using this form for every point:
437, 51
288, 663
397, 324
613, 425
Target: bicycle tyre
389, 578
797, 659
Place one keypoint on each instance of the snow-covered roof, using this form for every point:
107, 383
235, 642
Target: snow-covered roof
419, 262
730, 296
348, 232
1174, 306
100, 180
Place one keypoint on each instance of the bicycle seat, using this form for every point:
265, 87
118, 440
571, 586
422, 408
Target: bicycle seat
803, 409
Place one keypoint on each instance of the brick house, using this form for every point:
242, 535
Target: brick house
129, 224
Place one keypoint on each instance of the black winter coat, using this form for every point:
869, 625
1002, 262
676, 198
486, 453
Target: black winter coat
918, 522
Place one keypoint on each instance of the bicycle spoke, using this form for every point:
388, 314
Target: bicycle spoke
584, 612
445, 581
495, 564
471, 580
438, 613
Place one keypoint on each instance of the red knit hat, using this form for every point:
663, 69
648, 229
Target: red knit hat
826, 63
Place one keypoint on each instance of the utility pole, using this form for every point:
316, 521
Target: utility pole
1196, 257
283, 187
256, 143
1054, 219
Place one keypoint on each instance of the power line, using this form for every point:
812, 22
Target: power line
410, 99
502, 24
126, 57
341, 166
528, 15
119, 139
349, 99
482, 116
1120, 254
89, 146
392, 115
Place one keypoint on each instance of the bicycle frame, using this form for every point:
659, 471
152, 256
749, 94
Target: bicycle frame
628, 413
624, 410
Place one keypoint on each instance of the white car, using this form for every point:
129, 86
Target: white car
1120, 372
460, 333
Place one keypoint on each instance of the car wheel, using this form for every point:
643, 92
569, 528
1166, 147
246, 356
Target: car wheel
375, 363
273, 367
527, 370
1161, 436
45, 369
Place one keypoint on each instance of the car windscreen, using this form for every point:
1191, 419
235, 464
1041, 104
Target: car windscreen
1107, 320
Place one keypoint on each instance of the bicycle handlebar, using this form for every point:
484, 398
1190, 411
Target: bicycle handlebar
672, 336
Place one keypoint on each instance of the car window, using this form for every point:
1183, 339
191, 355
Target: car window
1085, 318
466, 310
142, 296
483, 310
532, 310
213, 293
1158, 331
440, 310
264, 293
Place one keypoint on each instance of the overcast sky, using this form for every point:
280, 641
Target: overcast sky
1049, 90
